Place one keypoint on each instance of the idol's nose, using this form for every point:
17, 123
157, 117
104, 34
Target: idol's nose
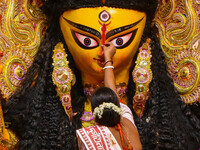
100, 53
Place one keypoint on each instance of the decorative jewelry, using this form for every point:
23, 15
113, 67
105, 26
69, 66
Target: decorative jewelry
62, 77
106, 67
181, 46
87, 116
22, 30
121, 89
1, 66
142, 76
15, 62
108, 61
98, 111
184, 70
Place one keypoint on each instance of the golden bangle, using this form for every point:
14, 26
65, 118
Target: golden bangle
110, 60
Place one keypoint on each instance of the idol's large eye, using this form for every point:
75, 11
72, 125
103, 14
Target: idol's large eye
124, 40
84, 41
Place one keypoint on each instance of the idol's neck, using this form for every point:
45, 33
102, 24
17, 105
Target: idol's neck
121, 76
91, 82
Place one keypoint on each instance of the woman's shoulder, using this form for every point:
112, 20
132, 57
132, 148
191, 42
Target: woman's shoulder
127, 113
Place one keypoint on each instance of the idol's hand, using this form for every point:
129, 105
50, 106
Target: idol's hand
109, 51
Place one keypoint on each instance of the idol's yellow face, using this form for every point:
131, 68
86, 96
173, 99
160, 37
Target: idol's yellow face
86, 29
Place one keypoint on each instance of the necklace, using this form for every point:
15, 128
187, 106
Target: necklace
120, 87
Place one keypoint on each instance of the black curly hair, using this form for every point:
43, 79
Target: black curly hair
38, 118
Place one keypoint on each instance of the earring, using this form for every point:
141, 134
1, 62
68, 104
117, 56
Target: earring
62, 77
142, 76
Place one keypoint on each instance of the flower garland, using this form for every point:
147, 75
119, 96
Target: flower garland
98, 111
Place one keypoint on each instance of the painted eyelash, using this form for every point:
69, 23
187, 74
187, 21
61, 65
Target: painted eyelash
128, 41
80, 43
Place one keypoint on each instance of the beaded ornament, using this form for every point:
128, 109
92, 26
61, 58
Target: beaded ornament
142, 76
62, 77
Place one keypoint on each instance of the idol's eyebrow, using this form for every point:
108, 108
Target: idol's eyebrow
84, 28
121, 29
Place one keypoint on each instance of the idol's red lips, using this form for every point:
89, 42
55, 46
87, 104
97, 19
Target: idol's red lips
100, 61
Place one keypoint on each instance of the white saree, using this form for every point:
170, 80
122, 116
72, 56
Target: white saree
99, 137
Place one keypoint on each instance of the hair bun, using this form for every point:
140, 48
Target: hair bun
107, 114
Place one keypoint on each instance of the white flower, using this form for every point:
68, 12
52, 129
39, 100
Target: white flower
98, 111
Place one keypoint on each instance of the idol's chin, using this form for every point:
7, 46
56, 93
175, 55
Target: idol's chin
99, 71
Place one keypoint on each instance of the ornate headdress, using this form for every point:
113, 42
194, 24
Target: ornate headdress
179, 29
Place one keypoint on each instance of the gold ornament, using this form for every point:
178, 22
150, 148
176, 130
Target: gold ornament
142, 76
87, 109
21, 30
16, 61
62, 77
178, 24
184, 69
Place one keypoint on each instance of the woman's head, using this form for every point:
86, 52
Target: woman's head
106, 95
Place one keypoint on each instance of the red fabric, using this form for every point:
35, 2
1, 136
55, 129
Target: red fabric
94, 138
118, 127
120, 100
